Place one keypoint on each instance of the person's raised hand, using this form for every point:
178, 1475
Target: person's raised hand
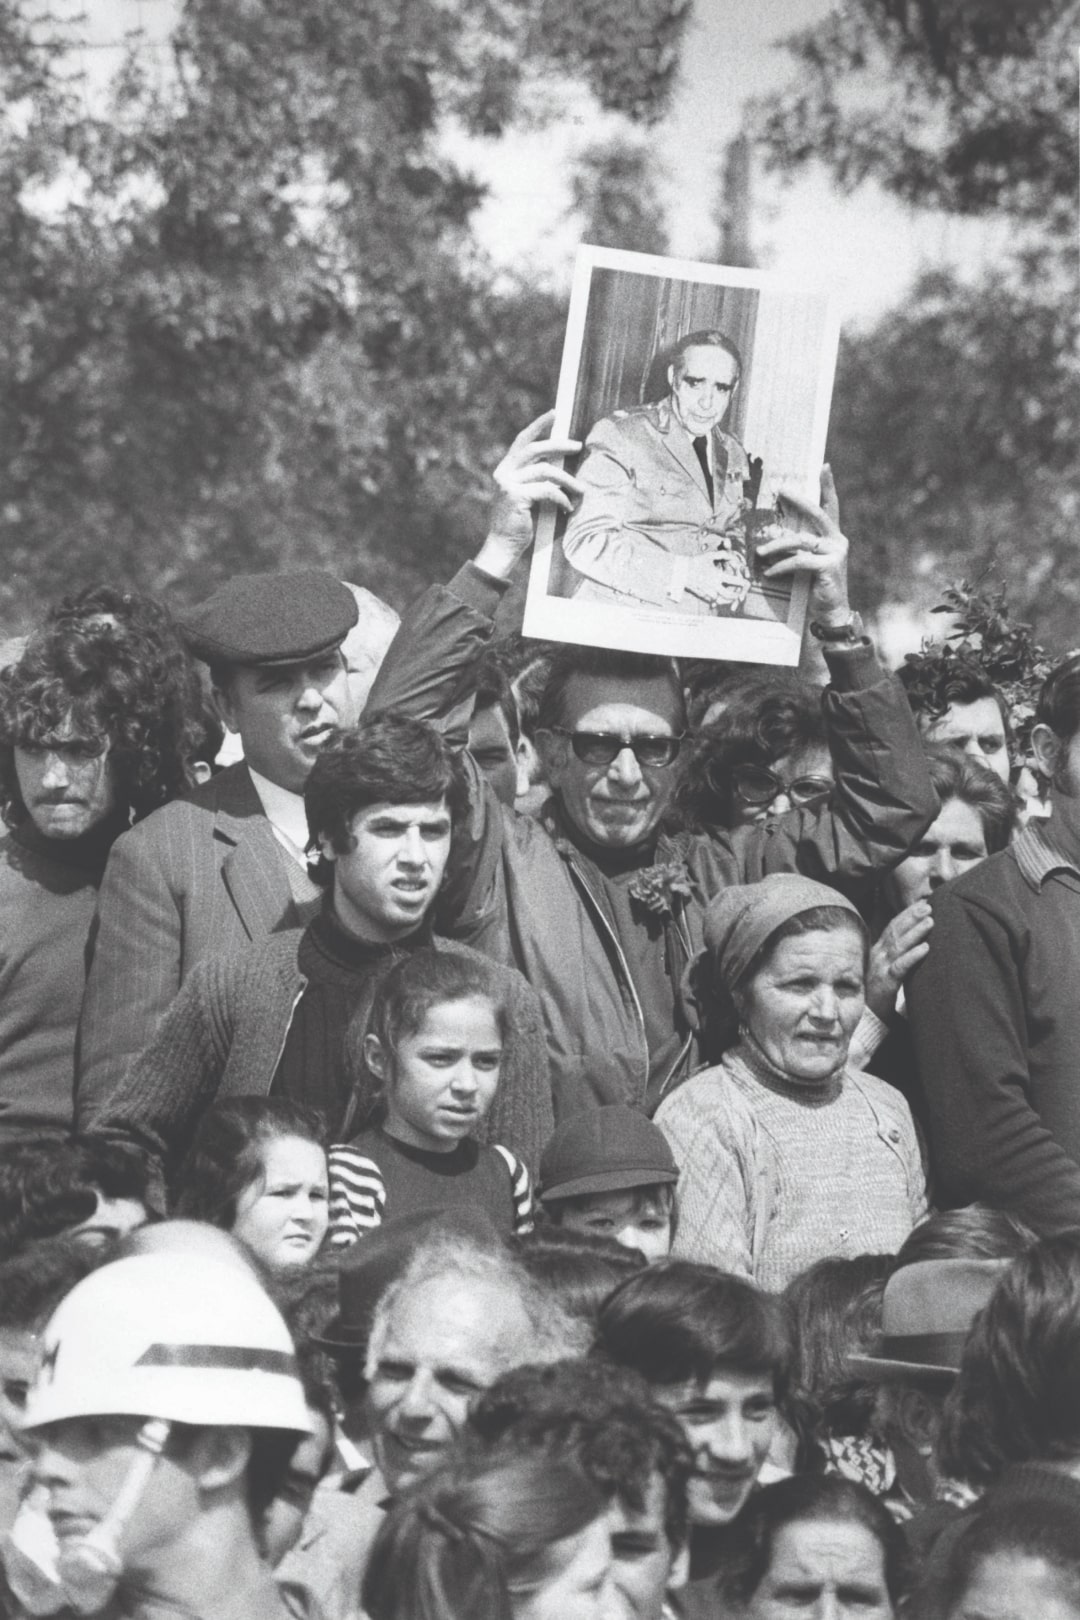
814, 544
892, 957
528, 475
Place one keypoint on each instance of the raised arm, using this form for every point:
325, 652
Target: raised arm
883, 799
426, 670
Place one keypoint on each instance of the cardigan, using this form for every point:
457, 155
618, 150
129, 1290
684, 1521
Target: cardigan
773, 1179
224, 1034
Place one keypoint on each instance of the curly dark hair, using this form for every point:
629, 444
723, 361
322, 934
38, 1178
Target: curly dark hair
764, 718
604, 1418
51, 1184
1016, 1398
938, 677
106, 670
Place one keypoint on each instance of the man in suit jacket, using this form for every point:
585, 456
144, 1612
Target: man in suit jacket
661, 520
206, 875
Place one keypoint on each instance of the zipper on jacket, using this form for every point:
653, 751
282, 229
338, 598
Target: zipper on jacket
598, 911
285, 1036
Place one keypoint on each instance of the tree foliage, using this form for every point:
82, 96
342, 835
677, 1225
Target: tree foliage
964, 105
249, 326
955, 421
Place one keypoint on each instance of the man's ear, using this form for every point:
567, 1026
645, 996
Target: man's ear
218, 1457
671, 377
325, 848
1046, 746
223, 702
374, 1056
917, 1417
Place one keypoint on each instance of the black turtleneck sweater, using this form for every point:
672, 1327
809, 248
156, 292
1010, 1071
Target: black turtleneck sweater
342, 974
48, 891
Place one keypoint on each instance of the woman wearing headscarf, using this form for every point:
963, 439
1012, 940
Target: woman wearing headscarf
787, 1155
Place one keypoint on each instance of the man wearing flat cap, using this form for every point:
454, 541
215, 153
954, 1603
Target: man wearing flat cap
207, 875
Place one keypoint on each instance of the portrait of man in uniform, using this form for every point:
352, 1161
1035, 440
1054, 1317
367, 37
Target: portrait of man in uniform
698, 393
667, 492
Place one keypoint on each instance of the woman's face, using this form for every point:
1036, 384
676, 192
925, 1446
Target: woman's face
799, 780
823, 1570
802, 1006
282, 1215
581, 1587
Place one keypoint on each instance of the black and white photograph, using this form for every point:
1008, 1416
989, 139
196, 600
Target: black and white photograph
539, 810
700, 393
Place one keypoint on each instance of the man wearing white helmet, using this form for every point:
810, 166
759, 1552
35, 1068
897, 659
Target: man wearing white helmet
163, 1420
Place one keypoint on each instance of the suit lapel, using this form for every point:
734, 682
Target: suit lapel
253, 871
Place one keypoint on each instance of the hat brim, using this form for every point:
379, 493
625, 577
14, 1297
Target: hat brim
607, 1181
340, 1338
880, 1370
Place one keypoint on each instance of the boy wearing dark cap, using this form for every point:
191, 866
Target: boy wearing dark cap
610, 1171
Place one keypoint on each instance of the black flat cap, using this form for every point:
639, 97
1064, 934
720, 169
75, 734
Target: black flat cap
260, 619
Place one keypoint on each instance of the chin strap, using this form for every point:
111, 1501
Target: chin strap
90, 1568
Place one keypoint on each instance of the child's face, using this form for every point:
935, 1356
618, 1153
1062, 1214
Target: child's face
443, 1077
282, 1216
633, 1218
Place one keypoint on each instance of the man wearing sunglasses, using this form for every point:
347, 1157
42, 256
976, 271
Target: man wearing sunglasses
599, 908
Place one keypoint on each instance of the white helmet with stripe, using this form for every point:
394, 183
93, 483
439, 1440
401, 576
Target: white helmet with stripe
168, 1335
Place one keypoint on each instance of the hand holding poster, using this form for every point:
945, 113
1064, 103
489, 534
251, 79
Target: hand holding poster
701, 392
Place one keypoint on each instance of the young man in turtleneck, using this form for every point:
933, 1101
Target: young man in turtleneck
274, 1019
87, 745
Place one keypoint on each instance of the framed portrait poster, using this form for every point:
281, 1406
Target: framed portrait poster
700, 392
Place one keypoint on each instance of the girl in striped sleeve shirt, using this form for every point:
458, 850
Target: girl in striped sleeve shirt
433, 1047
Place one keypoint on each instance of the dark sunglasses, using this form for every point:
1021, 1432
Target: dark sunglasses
601, 747
758, 786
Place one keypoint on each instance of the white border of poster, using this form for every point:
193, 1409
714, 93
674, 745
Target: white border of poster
788, 335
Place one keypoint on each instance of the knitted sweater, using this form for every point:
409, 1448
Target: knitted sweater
224, 1034
48, 891
775, 1176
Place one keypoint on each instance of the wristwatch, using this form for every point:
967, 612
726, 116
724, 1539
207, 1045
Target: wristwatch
839, 635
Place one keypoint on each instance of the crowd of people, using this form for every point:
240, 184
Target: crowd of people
495, 1130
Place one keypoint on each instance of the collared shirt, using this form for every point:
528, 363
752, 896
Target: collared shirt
286, 814
1038, 854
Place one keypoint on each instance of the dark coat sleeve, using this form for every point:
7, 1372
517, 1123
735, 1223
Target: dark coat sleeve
968, 1016
171, 1083
428, 664
881, 805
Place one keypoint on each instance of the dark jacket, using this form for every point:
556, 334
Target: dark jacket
996, 1019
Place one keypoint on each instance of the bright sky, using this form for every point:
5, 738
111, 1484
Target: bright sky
875, 245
